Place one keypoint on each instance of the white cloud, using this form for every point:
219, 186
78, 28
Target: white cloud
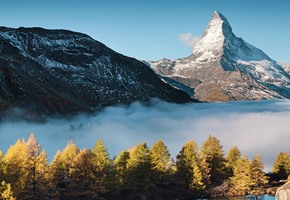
188, 39
255, 127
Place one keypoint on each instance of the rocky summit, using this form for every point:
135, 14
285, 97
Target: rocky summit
48, 72
223, 67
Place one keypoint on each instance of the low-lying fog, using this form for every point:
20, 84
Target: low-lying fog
254, 127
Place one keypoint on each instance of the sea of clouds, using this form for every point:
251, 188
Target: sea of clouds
255, 127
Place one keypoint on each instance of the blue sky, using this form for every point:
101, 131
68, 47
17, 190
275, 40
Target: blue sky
150, 29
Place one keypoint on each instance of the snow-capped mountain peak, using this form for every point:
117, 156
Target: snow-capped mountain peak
211, 44
224, 67
218, 26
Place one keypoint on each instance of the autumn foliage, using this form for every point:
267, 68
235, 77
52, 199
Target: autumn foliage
75, 173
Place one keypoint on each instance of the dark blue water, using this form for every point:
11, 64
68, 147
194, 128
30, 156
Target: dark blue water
264, 197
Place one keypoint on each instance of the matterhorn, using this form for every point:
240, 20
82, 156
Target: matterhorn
224, 67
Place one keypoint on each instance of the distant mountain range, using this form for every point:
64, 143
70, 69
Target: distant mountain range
223, 67
49, 72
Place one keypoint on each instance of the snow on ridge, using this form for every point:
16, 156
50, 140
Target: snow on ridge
247, 52
264, 70
15, 37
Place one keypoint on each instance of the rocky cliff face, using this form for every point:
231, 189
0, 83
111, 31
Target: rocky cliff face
224, 67
283, 193
59, 72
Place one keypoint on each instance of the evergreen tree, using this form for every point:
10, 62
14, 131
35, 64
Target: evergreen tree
160, 160
68, 154
6, 192
82, 177
186, 160
281, 166
1, 165
212, 153
205, 170
25, 165
120, 166
242, 178
102, 165
102, 160
59, 176
56, 176
35, 165
197, 183
234, 154
138, 176
15, 161
258, 177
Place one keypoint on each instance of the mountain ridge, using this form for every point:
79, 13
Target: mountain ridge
50, 72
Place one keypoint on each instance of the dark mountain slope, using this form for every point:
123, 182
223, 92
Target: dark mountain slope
59, 72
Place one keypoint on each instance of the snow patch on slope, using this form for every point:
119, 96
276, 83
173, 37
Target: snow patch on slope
264, 70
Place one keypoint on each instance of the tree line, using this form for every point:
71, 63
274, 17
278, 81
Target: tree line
140, 171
